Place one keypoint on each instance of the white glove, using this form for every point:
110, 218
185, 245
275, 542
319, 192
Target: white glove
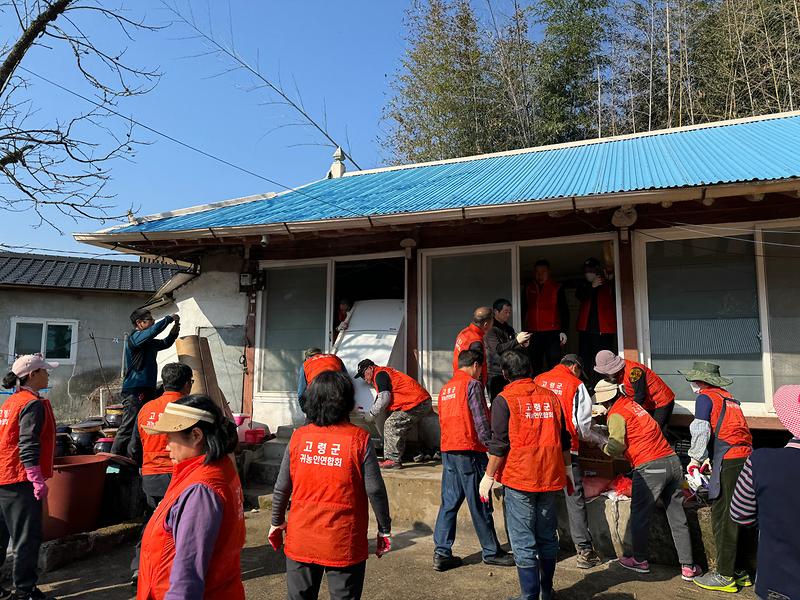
485, 488
523, 337
562, 338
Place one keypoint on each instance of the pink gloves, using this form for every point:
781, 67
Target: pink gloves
34, 475
384, 544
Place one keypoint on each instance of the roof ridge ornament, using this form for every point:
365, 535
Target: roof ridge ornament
338, 167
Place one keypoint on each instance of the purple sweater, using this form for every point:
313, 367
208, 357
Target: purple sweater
194, 521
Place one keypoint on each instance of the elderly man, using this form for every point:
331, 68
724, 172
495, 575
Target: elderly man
471, 338
564, 380
529, 453
499, 339
641, 384
406, 401
464, 422
546, 317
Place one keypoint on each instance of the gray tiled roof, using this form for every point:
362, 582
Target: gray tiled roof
70, 272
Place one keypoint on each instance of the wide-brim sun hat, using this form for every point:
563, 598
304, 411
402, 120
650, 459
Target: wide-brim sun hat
27, 364
786, 401
608, 363
605, 391
178, 417
707, 373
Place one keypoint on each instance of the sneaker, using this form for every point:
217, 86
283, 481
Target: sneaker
437, 456
689, 572
587, 559
743, 578
390, 464
445, 563
422, 458
718, 583
504, 559
35, 594
629, 562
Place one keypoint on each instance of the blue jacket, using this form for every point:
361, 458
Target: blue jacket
141, 368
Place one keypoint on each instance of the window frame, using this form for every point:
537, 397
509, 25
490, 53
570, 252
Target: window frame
45, 322
642, 237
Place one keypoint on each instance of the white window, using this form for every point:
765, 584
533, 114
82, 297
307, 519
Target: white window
55, 339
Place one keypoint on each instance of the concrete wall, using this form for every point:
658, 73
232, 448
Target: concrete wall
106, 314
212, 306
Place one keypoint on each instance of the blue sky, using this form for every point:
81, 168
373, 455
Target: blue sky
341, 54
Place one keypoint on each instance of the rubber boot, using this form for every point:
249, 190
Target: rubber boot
547, 569
528, 583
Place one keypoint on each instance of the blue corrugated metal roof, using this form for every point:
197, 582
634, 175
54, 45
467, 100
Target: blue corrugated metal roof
758, 150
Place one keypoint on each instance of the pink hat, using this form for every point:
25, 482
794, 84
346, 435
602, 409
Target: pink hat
27, 364
787, 406
608, 363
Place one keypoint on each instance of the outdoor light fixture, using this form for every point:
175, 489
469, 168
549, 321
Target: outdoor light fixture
264, 240
407, 244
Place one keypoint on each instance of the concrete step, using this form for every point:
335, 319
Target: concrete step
415, 496
274, 448
258, 496
263, 471
285, 432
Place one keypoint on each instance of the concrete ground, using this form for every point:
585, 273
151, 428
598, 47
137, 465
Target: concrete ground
404, 573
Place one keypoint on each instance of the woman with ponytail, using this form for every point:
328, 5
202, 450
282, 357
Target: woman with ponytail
27, 445
193, 542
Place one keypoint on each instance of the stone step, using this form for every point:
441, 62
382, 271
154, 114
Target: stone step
258, 497
263, 471
274, 448
285, 432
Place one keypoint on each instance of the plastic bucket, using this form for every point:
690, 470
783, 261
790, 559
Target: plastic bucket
75, 495
255, 436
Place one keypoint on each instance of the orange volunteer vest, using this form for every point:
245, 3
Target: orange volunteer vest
734, 429
406, 392
11, 467
606, 311
659, 393
464, 340
329, 516
319, 363
563, 384
455, 416
155, 456
535, 462
542, 313
643, 438
223, 578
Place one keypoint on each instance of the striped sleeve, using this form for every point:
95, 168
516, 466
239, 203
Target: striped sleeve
744, 508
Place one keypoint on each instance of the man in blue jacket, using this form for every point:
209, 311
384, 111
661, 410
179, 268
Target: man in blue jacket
141, 370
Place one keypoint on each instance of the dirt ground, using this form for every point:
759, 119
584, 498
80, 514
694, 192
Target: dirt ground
404, 573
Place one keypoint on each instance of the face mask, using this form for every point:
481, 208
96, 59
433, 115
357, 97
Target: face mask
590, 276
695, 387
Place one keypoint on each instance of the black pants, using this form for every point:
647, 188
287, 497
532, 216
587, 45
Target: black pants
495, 386
132, 402
155, 488
21, 521
662, 415
589, 344
545, 346
344, 583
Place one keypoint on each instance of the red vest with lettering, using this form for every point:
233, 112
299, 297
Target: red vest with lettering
734, 429
455, 416
406, 392
644, 441
465, 339
329, 516
563, 384
319, 363
606, 311
535, 462
659, 393
542, 313
223, 578
11, 467
155, 456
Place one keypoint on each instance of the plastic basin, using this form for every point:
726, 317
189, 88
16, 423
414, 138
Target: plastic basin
75, 495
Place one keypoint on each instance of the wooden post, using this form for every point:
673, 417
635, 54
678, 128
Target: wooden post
627, 299
249, 355
412, 343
